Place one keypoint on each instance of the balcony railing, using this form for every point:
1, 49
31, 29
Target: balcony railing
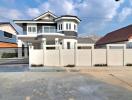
40, 31
47, 31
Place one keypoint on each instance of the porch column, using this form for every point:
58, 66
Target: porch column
75, 53
19, 49
30, 57
25, 50
92, 55
56, 42
30, 46
43, 43
124, 58
44, 49
107, 54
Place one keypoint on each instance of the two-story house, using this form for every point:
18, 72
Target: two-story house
51, 28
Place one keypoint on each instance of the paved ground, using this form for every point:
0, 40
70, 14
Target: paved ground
17, 82
59, 86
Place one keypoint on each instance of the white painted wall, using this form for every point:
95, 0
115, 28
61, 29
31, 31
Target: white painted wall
64, 22
67, 57
72, 43
99, 56
8, 28
83, 57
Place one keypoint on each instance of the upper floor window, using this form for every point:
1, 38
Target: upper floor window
68, 26
49, 29
61, 27
75, 27
32, 29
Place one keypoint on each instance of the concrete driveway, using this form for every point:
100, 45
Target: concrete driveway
58, 86
14, 67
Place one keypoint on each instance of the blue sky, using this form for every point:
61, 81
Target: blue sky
98, 16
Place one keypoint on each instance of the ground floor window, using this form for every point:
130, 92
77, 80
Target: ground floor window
68, 45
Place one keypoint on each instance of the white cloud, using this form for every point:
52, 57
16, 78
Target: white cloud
97, 12
10, 13
94, 13
125, 13
33, 12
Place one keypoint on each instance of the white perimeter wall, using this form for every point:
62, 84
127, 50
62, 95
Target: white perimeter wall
81, 57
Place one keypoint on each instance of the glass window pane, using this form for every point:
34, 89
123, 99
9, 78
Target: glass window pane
74, 27
70, 26
46, 29
52, 29
61, 26
67, 26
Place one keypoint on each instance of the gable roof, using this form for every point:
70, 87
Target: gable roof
2, 23
119, 35
44, 14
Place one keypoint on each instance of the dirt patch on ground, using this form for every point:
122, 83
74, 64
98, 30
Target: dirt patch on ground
115, 76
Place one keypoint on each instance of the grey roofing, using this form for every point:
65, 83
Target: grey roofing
45, 13
69, 33
85, 40
69, 16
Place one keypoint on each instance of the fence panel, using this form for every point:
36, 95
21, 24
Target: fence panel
115, 57
128, 56
84, 57
51, 58
99, 56
67, 57
36, 57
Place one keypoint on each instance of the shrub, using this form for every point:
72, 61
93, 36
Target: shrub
39, 65
69, 65
9, 55
128, 64
100, 65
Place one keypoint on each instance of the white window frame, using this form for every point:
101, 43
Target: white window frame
31, 29
49, 29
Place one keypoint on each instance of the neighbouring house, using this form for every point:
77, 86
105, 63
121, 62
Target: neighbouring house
120, 36
7, 35
52, 30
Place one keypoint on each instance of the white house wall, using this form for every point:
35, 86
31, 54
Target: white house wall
7, 28
72, 43
64, 25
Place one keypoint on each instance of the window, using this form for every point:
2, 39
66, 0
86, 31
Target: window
61, 26
66, 26
7, 35
49, 29
75, 27
46, 29
52, 29
32, 29
69, 26
68, 45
